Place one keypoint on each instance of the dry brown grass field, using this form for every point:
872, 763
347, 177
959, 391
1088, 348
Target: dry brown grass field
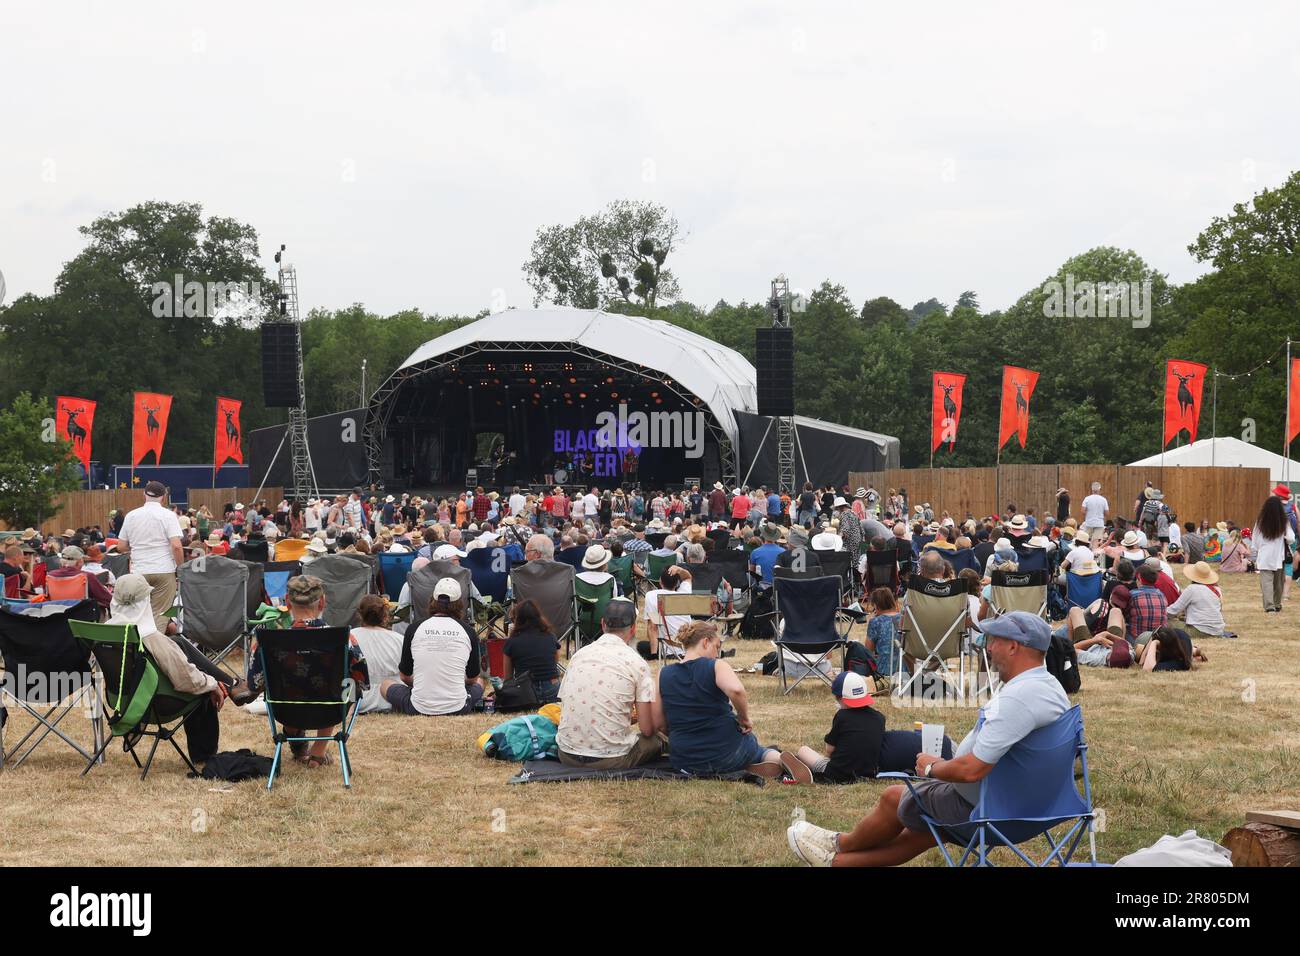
1168, 752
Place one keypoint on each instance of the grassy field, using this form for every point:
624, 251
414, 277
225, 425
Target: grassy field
1168, 752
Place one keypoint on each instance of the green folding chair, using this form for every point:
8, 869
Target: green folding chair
140, 700
621, 568
592, 599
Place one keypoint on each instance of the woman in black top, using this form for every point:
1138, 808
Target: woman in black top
533, 648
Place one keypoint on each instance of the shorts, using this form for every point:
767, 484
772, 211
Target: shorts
939, 800
399, 697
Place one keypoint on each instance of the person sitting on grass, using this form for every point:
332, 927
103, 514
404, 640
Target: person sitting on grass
440, 664
882, 632
382, 647
704, 709
305, 595
532, 647
1200, 605
1095, 649
608, 720
855, 738
894, 831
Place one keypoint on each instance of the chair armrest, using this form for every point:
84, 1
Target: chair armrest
898, 775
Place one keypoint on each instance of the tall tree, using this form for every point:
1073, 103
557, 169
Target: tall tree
616, 255
36, 463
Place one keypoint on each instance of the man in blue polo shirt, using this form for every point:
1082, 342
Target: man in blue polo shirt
774, 506
894, 832
763, 558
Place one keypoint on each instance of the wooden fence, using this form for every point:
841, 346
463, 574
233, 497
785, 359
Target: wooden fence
1213, 494
84, 509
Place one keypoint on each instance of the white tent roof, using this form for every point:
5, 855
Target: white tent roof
720, 377
1226, 452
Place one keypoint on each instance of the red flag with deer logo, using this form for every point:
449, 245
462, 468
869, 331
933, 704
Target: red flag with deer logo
74, 419
1183, 384
1293, 413
226, 443
1017, 387
945, 408
150, 426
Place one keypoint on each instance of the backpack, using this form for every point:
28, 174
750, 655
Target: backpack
759, 620
517, 693
858, 659
1063, 663
529, 737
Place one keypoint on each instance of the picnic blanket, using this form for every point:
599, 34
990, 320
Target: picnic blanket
552, 771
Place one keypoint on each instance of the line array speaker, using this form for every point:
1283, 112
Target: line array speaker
774, 348
280, 364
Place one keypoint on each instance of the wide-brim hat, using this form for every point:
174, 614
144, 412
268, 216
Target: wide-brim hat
1201, 573
1086, 566
1067, 532
1131, 539
839, 503
1062, 491
717, 486
317, 546
28, 534
1221, 526
595, 558
1038, 541
771, 532
1018, 523
860, 493
918, 509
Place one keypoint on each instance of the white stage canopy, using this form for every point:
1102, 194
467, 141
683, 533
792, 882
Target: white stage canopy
1226, 452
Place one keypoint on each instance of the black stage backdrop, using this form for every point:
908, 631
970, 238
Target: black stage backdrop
828, 455
338, 452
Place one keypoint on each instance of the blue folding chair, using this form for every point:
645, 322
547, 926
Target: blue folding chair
1031, 559
572, 556
961, 559
1082, 589
919, 542
393, 569
1028, 793
489, 569
275, 579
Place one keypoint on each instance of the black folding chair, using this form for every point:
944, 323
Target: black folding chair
807, 608
882, 570
840, 564
47, 673
308, 687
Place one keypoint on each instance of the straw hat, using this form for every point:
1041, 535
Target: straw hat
1222, 526
595, 558
1018, 523
1131, 539
1201, 573
1086, 566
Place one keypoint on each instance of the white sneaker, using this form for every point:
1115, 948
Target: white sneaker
814, 845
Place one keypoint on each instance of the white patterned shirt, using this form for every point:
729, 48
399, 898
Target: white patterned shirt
603, 682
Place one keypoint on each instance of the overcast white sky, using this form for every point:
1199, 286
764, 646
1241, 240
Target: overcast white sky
407, 153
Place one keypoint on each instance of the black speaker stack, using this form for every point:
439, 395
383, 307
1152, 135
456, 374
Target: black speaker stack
280, 364
774, 348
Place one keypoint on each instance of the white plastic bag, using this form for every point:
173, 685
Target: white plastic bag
1185, 850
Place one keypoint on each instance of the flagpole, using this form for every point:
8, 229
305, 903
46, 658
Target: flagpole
1286, 439
1214, 413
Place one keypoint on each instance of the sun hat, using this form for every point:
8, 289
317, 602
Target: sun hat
1019, 626
448, 588
717, 486
389, 500
1082, 537
919, 508
315, 546
839, 502
1067, 533
73, 553
771, 532
1038, 541
797, 535
28, 534
595, 558
1018, 523
851, 689
304, 590
1282, 491
1201, 573
1131, 539
860, 493
1086, 566
1221, 526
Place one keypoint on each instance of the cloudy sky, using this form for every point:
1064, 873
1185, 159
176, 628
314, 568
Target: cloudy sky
407, 153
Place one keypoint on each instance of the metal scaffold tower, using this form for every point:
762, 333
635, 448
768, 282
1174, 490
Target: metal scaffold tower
780, 308
304, 475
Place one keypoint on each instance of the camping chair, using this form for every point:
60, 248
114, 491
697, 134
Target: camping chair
1031, 559
215, 600
1082, 589
807, 610
393, 569
346, 581
1028, 793
882, 570
961, 559
840, 564
119, 564
572, 556
423, 581
489, 569
140, 700
591, 601
36, 641
290, 549
275, 579
621, 568
258, 551
308, 687
75, 588
919, 542
721, 538
932, 631
656, 538
551, 585
683, 604
1019, 590
655, 566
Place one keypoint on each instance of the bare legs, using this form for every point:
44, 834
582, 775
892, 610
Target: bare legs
880, 839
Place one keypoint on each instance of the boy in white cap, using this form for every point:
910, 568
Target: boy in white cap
854, 740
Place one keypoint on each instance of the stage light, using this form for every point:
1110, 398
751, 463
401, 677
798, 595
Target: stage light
654, 394
568, 395
572, 380
659, 401
613, 394
536, 395
582, 394
609, 380
532, 381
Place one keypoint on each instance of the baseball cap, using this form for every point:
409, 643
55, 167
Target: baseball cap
445, 552
73, 553
448, 588
851, 688
155, 489
1019, 626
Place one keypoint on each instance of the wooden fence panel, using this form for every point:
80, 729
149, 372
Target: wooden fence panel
861, 479
217, 498
1078, 479
970, 491
920, 485
1028, 486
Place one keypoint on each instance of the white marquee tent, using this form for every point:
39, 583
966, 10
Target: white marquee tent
1226, 452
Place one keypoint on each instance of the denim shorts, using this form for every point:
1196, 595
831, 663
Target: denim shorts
748, 751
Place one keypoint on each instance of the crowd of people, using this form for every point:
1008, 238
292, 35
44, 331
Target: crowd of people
617, 711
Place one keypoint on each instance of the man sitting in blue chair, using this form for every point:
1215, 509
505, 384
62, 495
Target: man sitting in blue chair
894, 831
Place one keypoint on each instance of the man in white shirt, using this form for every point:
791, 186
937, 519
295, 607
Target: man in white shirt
1095, 509
607, 721
579, 512
311, 516
517, 502
591, 504
152, 536
352, 512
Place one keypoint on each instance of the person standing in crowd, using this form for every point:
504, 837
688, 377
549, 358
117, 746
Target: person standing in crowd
717, 502
152, 536
1269, 545
1062, 505
1095, 509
